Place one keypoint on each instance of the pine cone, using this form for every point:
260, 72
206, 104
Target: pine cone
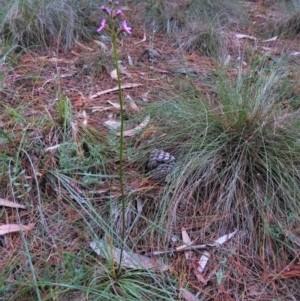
160, 173
158, 157
160, 165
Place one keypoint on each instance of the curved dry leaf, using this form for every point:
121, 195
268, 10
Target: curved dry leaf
203, 261
125, 86
130, 61
100, 44
114, 104
244, 36
84, 47
186, 239
189, 296
145, 96
132, 103
129, 259
84, 115
143, 40
200, 277
122, 70
114, 74
270, 40
224, 238
133, 131
57, 60
6, 203
112, 124
227, 60
4, 229
50, 148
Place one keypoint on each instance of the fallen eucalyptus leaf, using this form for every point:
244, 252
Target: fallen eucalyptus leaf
50, 148
122, 70
125, 86
224, 238
143, 40
133, 131
83, 46
84, 115
129, 259
132, 103
145, 96
100, 44
270, 40
7, 203
203, 261
130, 62
112, 125
227, 60
114, 104
186, 239
4, 229
114, 74
244, 36
189, 296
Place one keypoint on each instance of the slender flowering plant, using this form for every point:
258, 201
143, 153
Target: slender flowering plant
115, 24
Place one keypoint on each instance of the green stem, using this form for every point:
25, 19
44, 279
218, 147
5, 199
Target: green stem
121, 142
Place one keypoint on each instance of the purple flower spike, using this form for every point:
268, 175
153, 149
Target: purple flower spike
116, 2
102, 25
106, 9
126, 28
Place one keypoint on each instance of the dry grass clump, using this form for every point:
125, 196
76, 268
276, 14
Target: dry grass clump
238, 168
47, 23
290, 26
196, 25
287, 21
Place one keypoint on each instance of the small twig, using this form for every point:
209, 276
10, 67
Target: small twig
181, 249
125, 86
143, 40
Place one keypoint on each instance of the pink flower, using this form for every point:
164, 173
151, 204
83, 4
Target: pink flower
102, 25
126, 28
106, 9
118, 13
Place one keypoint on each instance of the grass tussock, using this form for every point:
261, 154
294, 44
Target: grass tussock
196, 25
290, 26
238, 167
287, 21
47, 23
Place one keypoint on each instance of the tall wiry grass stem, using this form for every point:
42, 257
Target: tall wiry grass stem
121, 141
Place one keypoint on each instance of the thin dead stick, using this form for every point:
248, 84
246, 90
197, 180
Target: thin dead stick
143, 40
132, 132
182, 249
125, 86
84, 47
